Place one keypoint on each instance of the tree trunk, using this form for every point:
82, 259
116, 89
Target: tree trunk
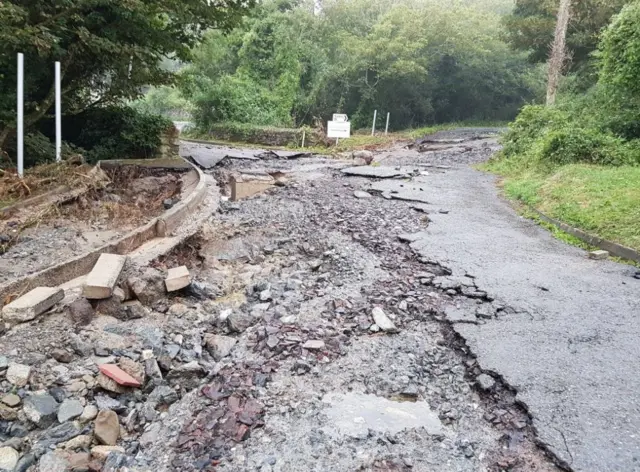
558, 51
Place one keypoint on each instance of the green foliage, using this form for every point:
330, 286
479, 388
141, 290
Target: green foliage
116, 133
620, 54
166, 101
531, 26
108, 49
420, 60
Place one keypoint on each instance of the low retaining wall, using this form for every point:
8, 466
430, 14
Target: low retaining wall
266, 136
158, 227
611, 247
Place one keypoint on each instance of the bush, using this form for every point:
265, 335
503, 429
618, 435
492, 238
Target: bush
532, 122
574, 145
116, 133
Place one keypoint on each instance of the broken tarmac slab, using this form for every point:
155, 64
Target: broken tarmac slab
32, 304
379, 172
103, 278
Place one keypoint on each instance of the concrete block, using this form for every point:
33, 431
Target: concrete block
598, 255
32, 304
177, 279
104, 276
247, 185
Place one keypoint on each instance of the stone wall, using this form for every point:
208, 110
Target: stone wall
265, 135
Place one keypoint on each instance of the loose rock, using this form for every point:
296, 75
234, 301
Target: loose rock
383, 321
8, 458
219, 346
69, 409
107, 428
41, 409
18, 374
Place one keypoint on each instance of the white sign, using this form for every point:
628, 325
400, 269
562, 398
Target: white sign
338, 129
340, 118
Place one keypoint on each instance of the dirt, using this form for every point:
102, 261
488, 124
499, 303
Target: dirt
73, 227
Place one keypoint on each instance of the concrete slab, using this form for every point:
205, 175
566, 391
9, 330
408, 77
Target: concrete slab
104, 276
208, 157
32, 304
177, 279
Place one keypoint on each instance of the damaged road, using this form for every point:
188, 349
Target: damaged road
327, 322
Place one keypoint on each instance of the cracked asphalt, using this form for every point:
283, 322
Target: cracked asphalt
568, 344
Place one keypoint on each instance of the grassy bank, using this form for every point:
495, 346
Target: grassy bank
602, 200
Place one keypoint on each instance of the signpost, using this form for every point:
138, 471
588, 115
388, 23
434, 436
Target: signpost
339, 127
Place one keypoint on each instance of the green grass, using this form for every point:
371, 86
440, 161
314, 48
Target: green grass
601, 200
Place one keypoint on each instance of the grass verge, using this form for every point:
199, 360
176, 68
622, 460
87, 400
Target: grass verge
601, 200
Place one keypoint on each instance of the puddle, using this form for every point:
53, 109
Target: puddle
354, 414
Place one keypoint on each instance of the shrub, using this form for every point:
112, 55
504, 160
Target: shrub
532, 122
573, 145
116, 133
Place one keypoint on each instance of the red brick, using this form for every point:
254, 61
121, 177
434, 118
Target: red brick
120, 376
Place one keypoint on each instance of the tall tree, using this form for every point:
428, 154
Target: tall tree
558, 51
108, 49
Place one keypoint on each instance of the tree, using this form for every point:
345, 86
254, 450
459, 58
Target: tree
558, 50
531, 28
108, 49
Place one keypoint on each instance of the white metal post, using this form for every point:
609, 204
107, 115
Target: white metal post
20, 124
373, 128
58, 116
304, 135
386, 129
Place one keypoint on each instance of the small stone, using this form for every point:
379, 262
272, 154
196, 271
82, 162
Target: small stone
109, 385
89, 413
79, 461
105, 402
374, 328
40, 409
81, 312
177, 309
239, 322
107, 428
18, 374
366, 156
8, 458
132, 368
313, 345
111, 306
62, 355
132, 310
53, 462
11, 399
152, 369
79, 442
69, 409
383, 321
485, 382
360, 194
100, 453
265, 295
8, 414
219, 346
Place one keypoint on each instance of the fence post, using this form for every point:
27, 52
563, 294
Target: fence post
386, 130
20, 107
58, 115
373, 128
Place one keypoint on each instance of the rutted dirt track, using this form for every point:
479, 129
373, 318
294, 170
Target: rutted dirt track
327, 327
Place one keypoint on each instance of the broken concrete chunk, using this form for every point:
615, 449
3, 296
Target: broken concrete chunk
313, 345
598, 255
366, 156
107, 428
40, 409
8, 458
32, 304
177, 279
100, 453
485, 382
219, 346
103, 278
118, 375
380, 172
383, 321
248, 185
18, 374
